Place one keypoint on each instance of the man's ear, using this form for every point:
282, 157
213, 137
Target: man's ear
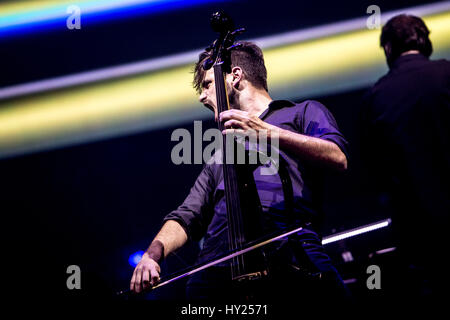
237, 75
387, 50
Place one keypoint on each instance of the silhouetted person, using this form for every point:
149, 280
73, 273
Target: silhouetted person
407, 132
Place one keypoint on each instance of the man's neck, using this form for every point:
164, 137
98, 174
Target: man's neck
410, 52
254, 101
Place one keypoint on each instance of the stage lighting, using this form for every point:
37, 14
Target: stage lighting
134, 259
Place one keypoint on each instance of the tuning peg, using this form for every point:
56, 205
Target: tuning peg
236, 45
211, 46
207, 64
221, 22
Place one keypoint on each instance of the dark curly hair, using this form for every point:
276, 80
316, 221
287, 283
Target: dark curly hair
403, 33
249, 57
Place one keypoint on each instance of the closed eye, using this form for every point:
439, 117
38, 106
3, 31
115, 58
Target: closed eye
206, 84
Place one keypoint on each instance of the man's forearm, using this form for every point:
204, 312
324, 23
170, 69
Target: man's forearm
171, 237
311, 149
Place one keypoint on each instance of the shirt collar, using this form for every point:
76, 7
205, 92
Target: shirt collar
408, 58
276, 104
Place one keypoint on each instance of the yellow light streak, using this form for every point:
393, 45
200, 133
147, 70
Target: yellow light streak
24, 6
27, 122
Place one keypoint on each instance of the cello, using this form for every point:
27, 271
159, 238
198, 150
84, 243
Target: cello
244, 211
246, 236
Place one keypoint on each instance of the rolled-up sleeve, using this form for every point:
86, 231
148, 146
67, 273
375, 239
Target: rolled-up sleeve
195, 213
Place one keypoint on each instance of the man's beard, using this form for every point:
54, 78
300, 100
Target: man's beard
232, 97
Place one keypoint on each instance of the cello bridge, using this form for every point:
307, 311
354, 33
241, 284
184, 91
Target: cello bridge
252, 276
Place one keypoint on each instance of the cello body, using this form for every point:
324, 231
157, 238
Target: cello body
244, 211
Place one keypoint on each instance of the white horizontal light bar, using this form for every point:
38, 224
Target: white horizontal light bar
387, 250
191, 56
345, 26
109, 73
356, 231
351, 280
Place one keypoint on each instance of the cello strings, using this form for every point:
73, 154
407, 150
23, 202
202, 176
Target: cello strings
233, 225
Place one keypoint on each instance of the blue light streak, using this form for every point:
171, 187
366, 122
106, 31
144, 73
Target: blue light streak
134, 259
91, 12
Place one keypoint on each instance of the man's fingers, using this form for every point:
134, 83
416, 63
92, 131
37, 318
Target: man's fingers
155, 277
236, 132
146, 278
133, 278
138, 282
232, 114
230, 124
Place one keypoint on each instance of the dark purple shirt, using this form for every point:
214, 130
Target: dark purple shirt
203, 213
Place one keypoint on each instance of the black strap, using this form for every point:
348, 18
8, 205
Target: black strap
288, 190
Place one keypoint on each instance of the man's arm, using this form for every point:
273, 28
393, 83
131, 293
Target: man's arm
171, 237
311, 149
188, 221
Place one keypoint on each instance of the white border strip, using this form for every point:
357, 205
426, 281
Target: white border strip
356, 231
190, 56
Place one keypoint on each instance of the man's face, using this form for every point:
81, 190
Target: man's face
208, 94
